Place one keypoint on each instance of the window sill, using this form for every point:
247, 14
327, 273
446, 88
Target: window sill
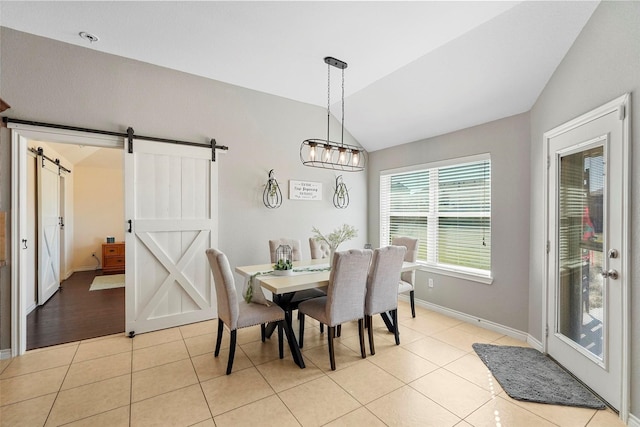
487, 280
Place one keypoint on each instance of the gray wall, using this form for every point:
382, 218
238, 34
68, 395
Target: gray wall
603, 63
49, 81
505, 301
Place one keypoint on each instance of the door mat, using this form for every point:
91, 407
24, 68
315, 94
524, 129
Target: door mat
107, 282
528, 375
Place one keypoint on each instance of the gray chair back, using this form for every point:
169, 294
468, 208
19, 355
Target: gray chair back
228, 309
382, 282
347, 285
294, 244
410, 256
319, 250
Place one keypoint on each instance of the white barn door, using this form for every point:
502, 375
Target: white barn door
48, 229
171, 210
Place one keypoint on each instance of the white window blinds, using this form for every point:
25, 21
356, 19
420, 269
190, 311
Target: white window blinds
447, 207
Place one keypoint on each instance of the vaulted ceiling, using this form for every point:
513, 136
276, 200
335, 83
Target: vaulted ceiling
415, 70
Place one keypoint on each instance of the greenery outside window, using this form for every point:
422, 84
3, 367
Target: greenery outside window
447, 206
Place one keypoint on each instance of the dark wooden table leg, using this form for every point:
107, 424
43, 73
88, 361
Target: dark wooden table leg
284, 301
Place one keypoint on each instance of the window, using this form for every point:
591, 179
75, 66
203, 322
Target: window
447, 206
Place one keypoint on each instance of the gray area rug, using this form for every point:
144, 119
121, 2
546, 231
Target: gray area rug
526, 374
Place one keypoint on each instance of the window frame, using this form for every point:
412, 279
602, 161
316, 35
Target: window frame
461, 272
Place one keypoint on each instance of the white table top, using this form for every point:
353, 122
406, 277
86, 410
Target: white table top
297, 281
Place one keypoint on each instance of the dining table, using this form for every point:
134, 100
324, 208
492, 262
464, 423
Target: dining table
306, 274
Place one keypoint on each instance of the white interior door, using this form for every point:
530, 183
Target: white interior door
29, 248
63, 236
171, 201
587, 251
48, 229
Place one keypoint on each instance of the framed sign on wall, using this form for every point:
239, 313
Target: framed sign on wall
305, 190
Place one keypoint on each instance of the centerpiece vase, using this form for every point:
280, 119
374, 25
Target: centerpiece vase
332, 251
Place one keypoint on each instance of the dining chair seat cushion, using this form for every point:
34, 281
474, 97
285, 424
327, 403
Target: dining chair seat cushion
254, 314
316, 308
404, 287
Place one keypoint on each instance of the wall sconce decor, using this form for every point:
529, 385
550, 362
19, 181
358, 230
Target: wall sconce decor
341, 194
324, 153
272, 196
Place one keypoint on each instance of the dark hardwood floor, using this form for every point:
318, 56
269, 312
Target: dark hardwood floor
74, 313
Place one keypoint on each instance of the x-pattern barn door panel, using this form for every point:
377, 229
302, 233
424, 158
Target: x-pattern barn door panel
170, 198
48, 230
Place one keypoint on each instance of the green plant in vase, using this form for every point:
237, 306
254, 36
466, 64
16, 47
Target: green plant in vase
338, 236
283, 267
283, 264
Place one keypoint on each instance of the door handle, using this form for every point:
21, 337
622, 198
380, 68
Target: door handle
612, 274
24, 242
129, 230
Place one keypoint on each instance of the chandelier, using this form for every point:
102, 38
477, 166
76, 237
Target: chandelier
327, 154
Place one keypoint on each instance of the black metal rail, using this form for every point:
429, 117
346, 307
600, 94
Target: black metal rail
130, 135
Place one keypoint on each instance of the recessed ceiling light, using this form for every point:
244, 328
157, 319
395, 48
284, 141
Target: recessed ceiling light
88, 36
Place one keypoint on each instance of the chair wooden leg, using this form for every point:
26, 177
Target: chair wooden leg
396, 331
339, 330
263, 331
232, 350
332, 357
219, 338
363, 352
372, 347
413, 304
301, 333
321, 328
281, 338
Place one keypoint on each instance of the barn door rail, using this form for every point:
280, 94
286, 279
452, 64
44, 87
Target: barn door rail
40, 152
130, 135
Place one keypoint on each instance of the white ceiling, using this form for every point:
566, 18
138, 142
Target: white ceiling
416, 69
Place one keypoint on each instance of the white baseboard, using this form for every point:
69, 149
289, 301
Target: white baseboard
5, 354
633, 421
483, 323
534, 343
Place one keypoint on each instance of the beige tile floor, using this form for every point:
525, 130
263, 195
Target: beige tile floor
170, 378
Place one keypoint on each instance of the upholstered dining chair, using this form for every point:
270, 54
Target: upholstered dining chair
296, 253
319, 250
298, 297
382, 288
345, 296
234, 312
408, 278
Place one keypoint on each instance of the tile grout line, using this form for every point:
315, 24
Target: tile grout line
53, 404
204, 395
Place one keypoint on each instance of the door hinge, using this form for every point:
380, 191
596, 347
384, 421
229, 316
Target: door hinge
546, 331
548, 246
548, 162
621, 112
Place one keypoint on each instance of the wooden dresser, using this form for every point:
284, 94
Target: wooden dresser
113, 257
